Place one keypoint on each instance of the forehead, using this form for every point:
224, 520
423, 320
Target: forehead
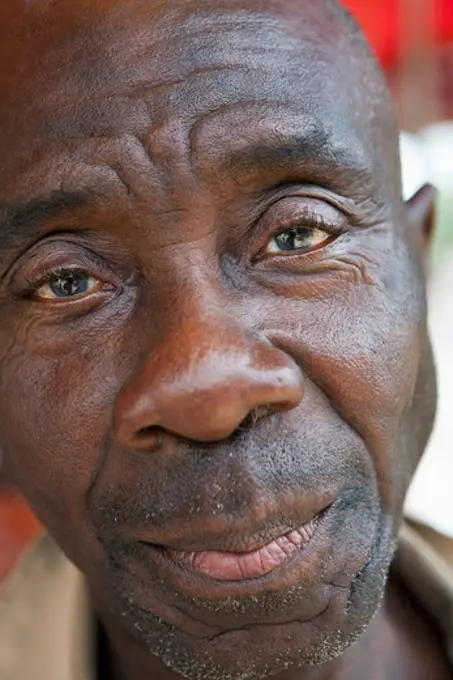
203, 81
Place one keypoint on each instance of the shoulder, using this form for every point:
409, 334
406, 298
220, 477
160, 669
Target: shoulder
424, 562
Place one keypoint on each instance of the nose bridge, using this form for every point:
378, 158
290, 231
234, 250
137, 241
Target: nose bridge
202, 380
201, 356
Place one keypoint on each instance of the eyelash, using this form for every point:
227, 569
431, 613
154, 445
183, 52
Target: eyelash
309, 221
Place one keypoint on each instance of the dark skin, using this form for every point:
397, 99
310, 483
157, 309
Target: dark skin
214, 326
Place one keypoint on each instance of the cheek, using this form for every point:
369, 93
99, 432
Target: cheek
362, 350
55, 413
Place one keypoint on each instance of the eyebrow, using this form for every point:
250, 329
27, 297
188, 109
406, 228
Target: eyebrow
21, 219
316, 152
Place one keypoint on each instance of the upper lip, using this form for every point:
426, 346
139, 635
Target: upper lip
230, 536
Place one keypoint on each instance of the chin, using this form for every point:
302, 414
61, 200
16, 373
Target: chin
309, 615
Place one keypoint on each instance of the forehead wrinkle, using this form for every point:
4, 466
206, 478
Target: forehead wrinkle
275, 136
208, 60
197, 43
189, 50
205, 50
145, 87
145, 92
181, 59
131, 94
185, 33
175, 28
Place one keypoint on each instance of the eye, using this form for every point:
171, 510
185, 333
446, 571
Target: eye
67, 286
297, 239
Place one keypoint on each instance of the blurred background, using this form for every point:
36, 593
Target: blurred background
413, 40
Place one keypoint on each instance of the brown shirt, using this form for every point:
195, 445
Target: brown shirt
46, 631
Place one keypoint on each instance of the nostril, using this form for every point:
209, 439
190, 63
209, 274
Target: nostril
149, 436
146, 432
259, 412
254, 416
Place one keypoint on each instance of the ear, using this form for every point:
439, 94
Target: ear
421, 209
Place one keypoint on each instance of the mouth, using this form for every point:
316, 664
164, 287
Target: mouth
273, 572
242, 566
222, 555
276, 576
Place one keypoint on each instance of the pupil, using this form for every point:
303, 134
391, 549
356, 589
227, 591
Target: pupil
293, 239
69, 285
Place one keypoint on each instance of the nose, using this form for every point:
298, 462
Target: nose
202, 383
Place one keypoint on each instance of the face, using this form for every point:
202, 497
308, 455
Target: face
215, 375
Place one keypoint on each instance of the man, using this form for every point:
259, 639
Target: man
216, 381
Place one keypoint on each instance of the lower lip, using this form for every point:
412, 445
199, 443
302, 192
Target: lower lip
229, 566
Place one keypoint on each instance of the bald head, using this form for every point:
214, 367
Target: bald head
207, 276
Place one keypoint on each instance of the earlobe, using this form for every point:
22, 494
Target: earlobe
421, 209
